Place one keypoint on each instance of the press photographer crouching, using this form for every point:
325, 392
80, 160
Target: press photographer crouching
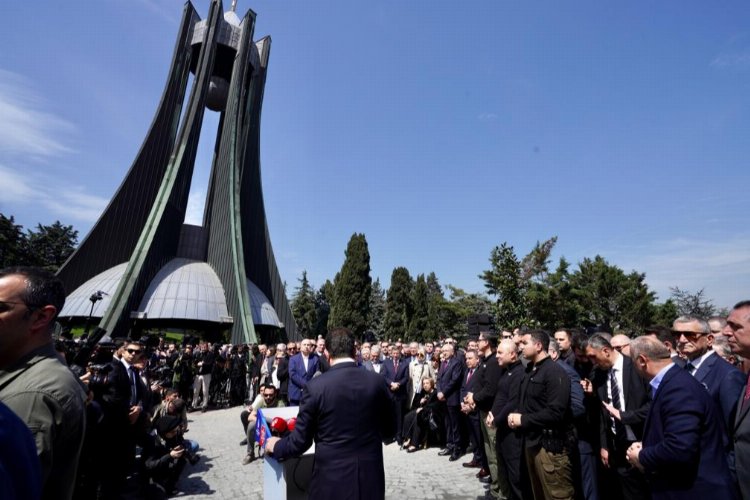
165, 456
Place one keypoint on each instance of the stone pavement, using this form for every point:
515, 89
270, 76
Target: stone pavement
220, 474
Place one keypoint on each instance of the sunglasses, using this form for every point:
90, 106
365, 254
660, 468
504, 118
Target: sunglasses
134, 351
691, 336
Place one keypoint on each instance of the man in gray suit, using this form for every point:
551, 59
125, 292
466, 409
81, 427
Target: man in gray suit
737, 331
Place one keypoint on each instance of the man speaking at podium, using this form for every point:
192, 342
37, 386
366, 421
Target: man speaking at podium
348, 412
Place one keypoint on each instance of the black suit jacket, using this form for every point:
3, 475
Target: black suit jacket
347, 411
637, 402
400, 376
449, 381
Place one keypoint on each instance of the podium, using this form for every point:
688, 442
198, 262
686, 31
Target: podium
287, 480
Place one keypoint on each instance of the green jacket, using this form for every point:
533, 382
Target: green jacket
45, 394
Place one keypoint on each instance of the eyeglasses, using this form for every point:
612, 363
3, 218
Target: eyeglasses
690, 336
619, 348
134, 351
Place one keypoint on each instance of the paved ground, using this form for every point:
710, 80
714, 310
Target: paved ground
221, 475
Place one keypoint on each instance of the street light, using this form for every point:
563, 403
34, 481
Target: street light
95, 297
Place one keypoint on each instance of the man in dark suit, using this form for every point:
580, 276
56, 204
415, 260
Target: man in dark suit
625, 398
396, 373
302, 367
374, 364
682, 452
723, 381
348, 427
449, 390
474, 431
122, 407
737, 331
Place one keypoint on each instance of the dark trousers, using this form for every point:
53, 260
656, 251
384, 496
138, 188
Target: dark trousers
452, 430
625, 481
510, 455
475, 438
398, 412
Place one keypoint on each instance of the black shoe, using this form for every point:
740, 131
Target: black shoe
243, 442
444, 452
454, 457
248, 459
485, 480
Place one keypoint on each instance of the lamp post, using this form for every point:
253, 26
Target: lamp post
95, 297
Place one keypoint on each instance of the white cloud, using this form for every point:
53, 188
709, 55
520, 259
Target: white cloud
733, 60
63, 200
721, 267
26, 129
15, 188
487, 117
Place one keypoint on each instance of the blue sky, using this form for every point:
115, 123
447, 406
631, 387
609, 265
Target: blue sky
438, 129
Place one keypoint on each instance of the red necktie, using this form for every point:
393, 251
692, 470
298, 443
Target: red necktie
468, 377
395, 366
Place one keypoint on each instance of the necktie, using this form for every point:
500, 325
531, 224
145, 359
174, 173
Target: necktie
690, 367
615, 388
395, 366
133, 387
468, 377
747, 393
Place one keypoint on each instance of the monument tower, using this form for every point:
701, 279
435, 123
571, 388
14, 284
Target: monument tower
148, 265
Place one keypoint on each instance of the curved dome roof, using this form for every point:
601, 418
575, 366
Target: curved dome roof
186, 289
182, 289
78, 303
262, 309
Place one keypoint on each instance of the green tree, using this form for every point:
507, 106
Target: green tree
435, 303
322, 308
535, 265
303, 307
13, 243
455, 311
398, 304
51, 246
665, 314
377, 309
351, 295
420, 317
551, 301
504, 281
610, 298
692, 304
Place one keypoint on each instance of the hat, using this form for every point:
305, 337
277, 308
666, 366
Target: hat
167, 423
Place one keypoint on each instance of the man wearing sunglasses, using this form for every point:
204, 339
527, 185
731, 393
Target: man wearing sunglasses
121, 401
723, 381
34, 384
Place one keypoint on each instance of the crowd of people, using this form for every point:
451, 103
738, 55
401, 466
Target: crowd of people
577, 413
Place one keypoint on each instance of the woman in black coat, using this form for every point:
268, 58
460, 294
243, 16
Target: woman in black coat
428, 417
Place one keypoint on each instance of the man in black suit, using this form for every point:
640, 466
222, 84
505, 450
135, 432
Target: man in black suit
348, 427
682, 452
625, 399
122, 406
723, 381
396, 373
737, 331
468, 385
449, 390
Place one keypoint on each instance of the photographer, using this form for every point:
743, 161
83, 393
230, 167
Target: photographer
182, 379
165, 455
